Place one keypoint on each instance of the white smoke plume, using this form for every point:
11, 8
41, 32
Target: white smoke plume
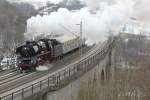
104, 17
94, 4
142, 10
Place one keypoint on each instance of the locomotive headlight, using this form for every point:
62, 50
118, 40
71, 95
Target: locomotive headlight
20, 62
31, 61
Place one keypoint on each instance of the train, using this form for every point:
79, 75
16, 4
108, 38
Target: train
35, 53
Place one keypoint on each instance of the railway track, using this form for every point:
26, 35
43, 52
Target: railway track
2, 73
13, 78
17, 81
6, 76
10, 84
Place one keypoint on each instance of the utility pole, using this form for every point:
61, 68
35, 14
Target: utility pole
81, 27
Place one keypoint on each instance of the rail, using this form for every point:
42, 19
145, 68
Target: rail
55, 80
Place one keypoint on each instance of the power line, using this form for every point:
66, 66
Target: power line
68, 30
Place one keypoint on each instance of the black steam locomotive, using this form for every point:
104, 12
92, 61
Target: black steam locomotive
35, 53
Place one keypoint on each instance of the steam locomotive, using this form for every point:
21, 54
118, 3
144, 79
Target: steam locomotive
35, 53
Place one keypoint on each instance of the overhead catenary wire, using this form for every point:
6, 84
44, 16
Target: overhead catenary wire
68, 30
